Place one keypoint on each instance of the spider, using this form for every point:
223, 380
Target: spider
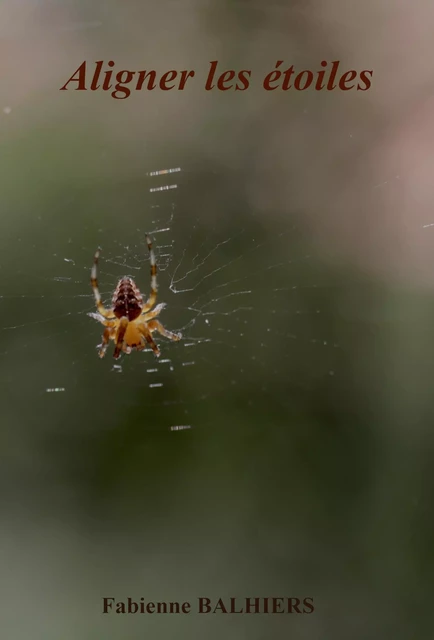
129, 322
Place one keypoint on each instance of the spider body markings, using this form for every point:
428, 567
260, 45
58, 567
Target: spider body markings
129, 322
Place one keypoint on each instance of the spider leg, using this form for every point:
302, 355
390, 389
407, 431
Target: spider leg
153, 314
100, 318
108, 332
153, 295
123, 324
149, 339
155, 325
94, 282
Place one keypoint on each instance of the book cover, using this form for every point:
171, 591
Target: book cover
216, 285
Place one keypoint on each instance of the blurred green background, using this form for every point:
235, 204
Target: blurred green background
297, 262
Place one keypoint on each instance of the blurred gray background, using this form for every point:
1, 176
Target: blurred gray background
298, 261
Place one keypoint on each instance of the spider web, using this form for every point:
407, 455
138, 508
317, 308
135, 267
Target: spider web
249, 301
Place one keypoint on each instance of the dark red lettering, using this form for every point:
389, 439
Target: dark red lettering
307, 83
122, 78
204, 605
293, 607
185, 75
347, 77
335, 67
308, 604
94, 84
227, 76
133, 607
273, 76
365, 77
141, 80
243, 76
287, 82
107, 604
209, 85
169, 76
81, 71
255, 605
320, 79
277, 604
220, 606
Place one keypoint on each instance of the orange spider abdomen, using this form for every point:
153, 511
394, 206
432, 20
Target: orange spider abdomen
127, 300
